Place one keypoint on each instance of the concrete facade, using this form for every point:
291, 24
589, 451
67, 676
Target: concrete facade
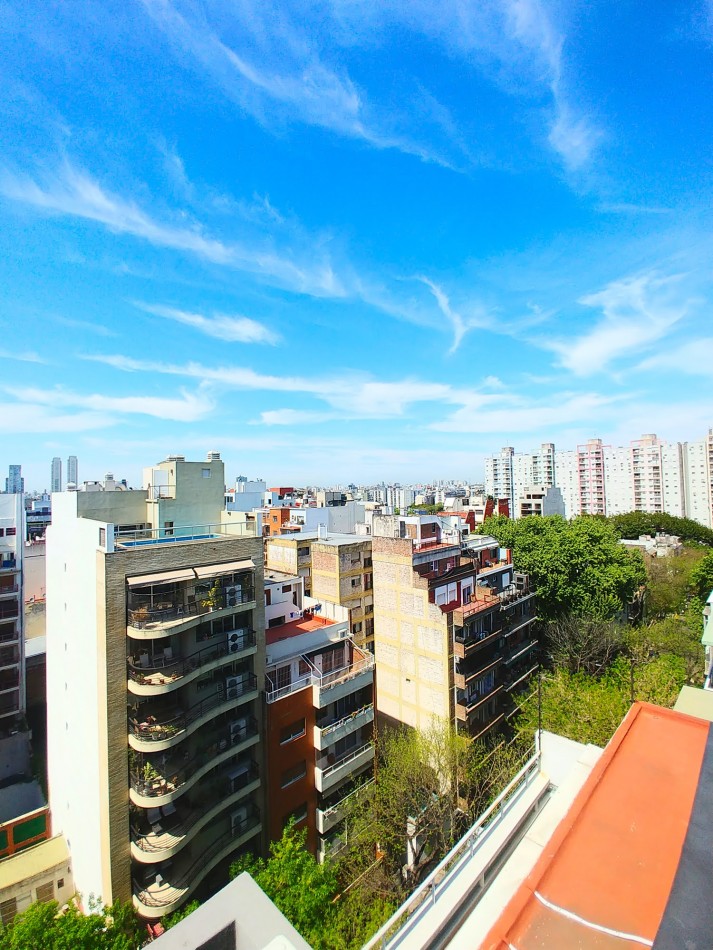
140, 683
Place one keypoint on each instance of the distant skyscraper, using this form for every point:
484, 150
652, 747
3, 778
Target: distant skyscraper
72, 471
56, 474
14, 483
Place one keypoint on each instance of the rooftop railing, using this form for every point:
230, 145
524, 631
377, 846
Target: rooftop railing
362, 662
140, 537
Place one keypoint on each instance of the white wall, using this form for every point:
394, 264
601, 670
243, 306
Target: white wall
75, 671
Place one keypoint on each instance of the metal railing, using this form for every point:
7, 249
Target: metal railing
192, 532
427, 893
327, 768
178, 667
169, 892
333, 726
362, 662
154, 729
224, 787
333, 809
175, 773
186, 602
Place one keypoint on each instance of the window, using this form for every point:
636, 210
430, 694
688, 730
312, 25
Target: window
302, 552
294, 731
60, 882
297, 815
332, 659
368, 581
356, 628
45, 892
286, 588
2, 532
268, 597
168, 528
8, 909
305, 668
283, 676
367, 562
356, 581
276, 621
205, 473
294, 774
10, 532
102, 537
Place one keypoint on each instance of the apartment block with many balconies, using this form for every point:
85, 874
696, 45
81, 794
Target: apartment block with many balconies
320, 713
453, 626
155, 657
12, 665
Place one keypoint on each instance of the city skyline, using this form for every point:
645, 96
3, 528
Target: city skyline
342, 243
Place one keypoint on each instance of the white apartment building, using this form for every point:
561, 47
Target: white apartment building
647, 475
509, 473
12, 647
155, 653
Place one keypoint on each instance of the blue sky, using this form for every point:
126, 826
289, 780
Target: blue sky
351, 241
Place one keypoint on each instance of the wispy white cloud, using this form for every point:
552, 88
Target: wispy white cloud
293, 417
22, 356
220, 326
190, 407
19, 418
273, 70
524, 416
72, 192
637, 312
87, 326
354, 395
628, 207
460, 325
693, 358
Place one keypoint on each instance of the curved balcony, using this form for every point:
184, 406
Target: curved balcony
155, 787
153, 677
159, 610
162, 729
170, 835
164, 895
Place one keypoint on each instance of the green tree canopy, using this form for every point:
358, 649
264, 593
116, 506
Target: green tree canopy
635, 523
701, 577
105, 928
577, 567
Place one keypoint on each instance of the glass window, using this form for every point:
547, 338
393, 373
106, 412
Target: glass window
294, 774
294, 731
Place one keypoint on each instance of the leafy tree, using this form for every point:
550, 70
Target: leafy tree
677, 635
701, 577
670, 580
577, 567
310, 895
116, 928
300, 887
635, 523
177, 916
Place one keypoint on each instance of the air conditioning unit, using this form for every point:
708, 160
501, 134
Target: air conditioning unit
235, 640
232, 596
238, 730
234, 685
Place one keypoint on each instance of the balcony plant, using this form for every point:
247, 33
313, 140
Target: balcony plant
213, 600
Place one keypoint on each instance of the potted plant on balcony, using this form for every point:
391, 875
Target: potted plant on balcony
139, 616
213, 600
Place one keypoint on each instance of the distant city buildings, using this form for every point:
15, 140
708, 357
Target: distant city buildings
14, 483
56, 475
647, 475
72, 473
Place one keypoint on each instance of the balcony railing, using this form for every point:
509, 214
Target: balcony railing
182, 604
328, 768
9, 589
159, 671
176, 772
9, 610
166, 725
9, 633
328, 728
166, 892
142, 537
8, 564
362, 662
222, 787
9, 656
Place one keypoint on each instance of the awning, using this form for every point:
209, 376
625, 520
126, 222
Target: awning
215, 570
166, 577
